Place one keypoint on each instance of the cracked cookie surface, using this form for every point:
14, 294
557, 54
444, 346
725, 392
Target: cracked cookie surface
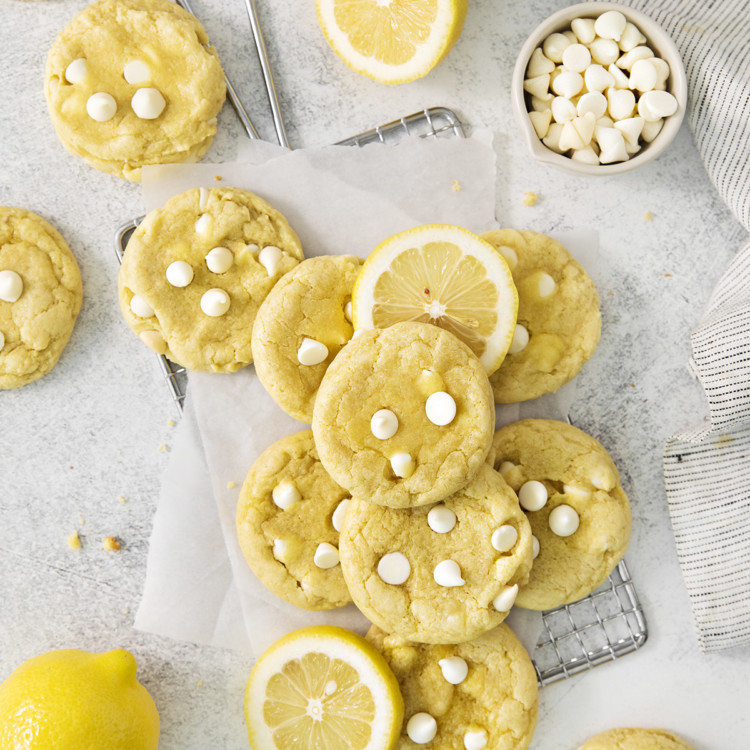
191, 225
397, 369
577, 472
419, 608
281, 544
36, 325
308, 303
558, 313
497, 697
635, 739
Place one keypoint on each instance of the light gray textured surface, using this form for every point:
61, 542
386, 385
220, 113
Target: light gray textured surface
90, 431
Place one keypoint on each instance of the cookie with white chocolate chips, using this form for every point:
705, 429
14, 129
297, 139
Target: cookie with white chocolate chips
629, 738
288, 519
579, 514
134, 82
439, 574
404, 415
196, 271
559, 322
301, 326
480, 694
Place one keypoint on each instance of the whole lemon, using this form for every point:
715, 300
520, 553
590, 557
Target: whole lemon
77, 700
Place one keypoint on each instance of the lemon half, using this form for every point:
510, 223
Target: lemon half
445, 275
391, 41
323, 688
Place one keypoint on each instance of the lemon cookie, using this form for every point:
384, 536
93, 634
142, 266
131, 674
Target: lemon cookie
40, 296
579, 514
288, 520
480, 694
404, 415
133, 82
300, 328
558, 323
635, 739
195, 272
439, 574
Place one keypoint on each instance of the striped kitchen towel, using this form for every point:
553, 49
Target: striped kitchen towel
707, 470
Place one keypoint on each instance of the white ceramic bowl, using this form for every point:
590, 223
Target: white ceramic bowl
657, 39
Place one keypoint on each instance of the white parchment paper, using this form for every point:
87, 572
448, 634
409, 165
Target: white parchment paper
339, 200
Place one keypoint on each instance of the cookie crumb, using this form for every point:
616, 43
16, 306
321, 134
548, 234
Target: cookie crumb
122, 500
218, 178
170, 423
231, 485
530, 199
163, 448
74, 541
667, 275
199, 683
648, 216
456, 186
111, 544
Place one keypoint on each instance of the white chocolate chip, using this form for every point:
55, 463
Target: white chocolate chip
219, 259
394, 568
2, 340
403, 465
658, 104
563, 520
627, 60
584, 29
348, 311
594, 102
541, 103
311, 352
597, 78
337, 519
421, 728
140, 307
101, 106
651, 129
612, 144
136, 71
537, 86
541, 121
11, 286
285, 494
270, 257
584, 125
576, 58
620, 103
631, 37
76, 70
567, 84
535, 548
545, 285
585, 155
153, 340
552, 139
569, 138
511, 258
604, 51
383, 424
440, 408
179, 273
643, 76
603, 480
215, 303
504, 538
506, 467
532, 495
662, 70
554, 46
202, 198
610, 24
577, 492
148, 103
520, 339
441, 519
506, 598
448, 573
563, 110
631, 128
621, 80
203, 223
454, 669
539, 64
475, 739
326, 556
280, 549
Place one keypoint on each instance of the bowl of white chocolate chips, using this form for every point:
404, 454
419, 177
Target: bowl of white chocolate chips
599, 88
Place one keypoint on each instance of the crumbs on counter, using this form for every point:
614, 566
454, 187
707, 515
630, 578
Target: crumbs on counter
122, 500
231, 485
648, 216
218, 178
74, 540
199, 683
667, 275
456, 186
163, 448
170, 423
529, 198
111, 544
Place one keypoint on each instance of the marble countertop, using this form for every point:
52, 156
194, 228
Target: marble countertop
99, 426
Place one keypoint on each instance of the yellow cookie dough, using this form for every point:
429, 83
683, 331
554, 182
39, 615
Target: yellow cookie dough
497, 700
286, 511
578, 473
40, 296
434, 574
133, 82
396, 370
226, 243
636, 739
558, 322
307, 308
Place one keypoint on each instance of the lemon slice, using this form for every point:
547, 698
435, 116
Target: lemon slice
391, 41
444, 275
323, 687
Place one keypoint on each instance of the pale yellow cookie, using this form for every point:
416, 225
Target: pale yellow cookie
440, 574
579, 514
196, 271
133, 82
301, 326
559, 322
288, 517
483, 690
40, 296
635, 739
404, 415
